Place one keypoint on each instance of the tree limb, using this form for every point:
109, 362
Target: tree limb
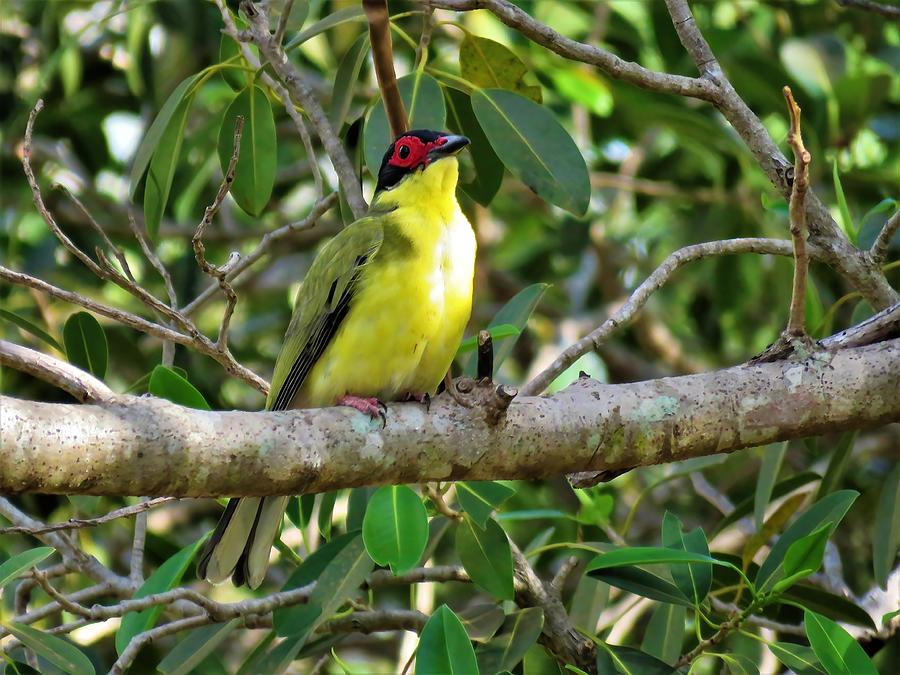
147, 446
383, 58
890, 11
82, 385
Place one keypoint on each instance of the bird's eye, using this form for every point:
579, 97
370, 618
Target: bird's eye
403, 152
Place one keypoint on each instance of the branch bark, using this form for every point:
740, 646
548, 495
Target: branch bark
146, 446
383, 58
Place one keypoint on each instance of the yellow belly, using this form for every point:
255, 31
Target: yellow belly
405, 324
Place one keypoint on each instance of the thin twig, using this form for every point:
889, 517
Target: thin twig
797, 321
219, 273
879, 249
383, 59
282, 21
78, 523
889, 11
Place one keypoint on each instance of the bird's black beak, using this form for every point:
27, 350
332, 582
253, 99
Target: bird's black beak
452, 145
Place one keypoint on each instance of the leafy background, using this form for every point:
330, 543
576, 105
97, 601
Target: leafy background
578, 186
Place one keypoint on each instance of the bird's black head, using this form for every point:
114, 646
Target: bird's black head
413, 151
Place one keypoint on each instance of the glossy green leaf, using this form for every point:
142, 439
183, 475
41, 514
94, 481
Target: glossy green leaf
486, 556
648, 555
613, 659
831, 510
694, 580
804, 557
799, 658
781, 488
254, 176
229, 49
61, 653
886, 535
828, 604
482, 621
768, 474
163, 164
515, 312
486, 63
534, 147
444, 647
665, 632
395, 527
153, 137
488, 167
334, 19
167, 384
86, 345
12, 568
424, 103
837, 464
31, 328
299, 510
346, 79
738, 664
504, 652
165, 578
837, 650
193, 649
481, 498
846, 219
641, 582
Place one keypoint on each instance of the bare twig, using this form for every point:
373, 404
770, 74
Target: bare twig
797, 321
383, 58
879, 249
266, 243
219, 273
129, 654
80, 384
434, 494
282, 21
425, 37
626, 313
889, 11
78, 523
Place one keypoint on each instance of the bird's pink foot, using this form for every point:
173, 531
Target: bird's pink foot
419, 398
368, 406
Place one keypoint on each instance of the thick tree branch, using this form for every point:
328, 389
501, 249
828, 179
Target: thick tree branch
146, 446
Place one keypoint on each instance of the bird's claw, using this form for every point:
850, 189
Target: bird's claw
419, 398
368, 406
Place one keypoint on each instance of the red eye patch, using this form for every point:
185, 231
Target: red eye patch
410, 151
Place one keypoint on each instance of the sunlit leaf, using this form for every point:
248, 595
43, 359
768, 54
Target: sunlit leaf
488, 64
534, 147
804, 557
780, 489
837, 650
86, 345
168, 384
444, 646
481, 498
12, 568
798, 658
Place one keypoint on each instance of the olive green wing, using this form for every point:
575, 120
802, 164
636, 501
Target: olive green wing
322, 304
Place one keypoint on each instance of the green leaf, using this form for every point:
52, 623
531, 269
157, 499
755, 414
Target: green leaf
488, 167
612, 659
739, 664
62, 654
497, 333
326, 509
424, 103
837, 464
804, 557
781, 488
86, 345
346, 79
838, 652
444, 647
229, 49
254, 176
831, 510
802, 60
299, 510
588, 600
886, 535
641, 582
799, 658
768, 474
31, 328
828, 604
486, 63
873, 221
163, 579
166, 147
480, 498
395, 527
357, 505
649, 555
694, 580
520, 630
22, 562
341, 578
486, 556
166, 383
534, 147
334, 19
582, 85
482, 621
199, 643
516, 313
665, 632
295, 20
846, 219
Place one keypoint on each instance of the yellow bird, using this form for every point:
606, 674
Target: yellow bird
378, 318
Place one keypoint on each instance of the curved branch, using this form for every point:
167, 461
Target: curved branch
82, 385
147, 446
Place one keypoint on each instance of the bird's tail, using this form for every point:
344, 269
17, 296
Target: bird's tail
240, 545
